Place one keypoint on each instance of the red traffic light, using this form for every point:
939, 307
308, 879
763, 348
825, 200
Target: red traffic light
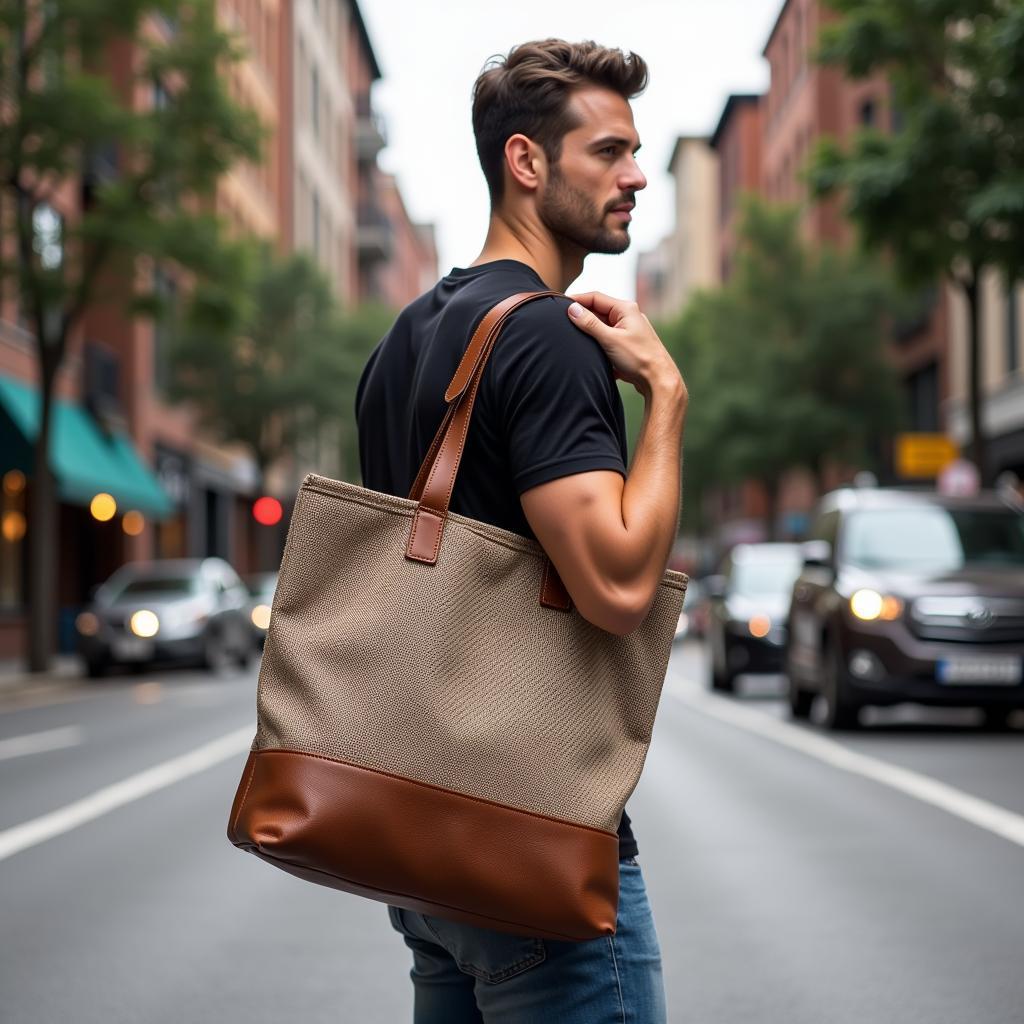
267, 510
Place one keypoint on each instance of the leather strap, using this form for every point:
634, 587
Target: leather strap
435, 481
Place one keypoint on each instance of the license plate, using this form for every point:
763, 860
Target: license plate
988, 670
131, 647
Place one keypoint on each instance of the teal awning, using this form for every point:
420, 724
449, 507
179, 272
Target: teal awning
85, 461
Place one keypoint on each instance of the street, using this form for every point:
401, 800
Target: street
791, 883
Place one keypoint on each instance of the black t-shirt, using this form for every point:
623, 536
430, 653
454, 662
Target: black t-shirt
548, 405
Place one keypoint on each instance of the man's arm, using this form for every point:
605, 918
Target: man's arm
609, 538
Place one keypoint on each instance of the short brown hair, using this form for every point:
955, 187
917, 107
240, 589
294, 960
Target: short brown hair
527, 92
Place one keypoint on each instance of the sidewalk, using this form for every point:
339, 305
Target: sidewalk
65, 672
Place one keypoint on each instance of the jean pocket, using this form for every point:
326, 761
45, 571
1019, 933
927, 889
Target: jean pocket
484, 953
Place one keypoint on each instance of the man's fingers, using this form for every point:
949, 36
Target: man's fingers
587, 321
606, 306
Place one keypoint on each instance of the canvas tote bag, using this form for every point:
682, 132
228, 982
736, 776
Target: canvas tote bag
438, 728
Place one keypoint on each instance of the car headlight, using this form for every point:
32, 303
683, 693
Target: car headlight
260, 616
759, 625
87, 623
869, 605
144, 623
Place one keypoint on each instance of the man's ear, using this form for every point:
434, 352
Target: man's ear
525, 162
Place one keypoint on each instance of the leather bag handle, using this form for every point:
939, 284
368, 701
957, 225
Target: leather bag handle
435, 481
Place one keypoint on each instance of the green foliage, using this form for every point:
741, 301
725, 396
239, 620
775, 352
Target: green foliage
115, 125
269, 360
945, 191
785, 364
147, 167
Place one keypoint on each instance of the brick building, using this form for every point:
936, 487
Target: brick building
308, 70
806, 101
738, 141
763, 142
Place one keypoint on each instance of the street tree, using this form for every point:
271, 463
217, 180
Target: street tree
943, 192
271, 361
785, 363
63, 118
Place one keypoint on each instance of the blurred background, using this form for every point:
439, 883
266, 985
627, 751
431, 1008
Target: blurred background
210, 212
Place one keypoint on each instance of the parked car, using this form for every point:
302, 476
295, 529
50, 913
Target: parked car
697, 607
693, 616
261, 597
909, 596
187, 609
748, 602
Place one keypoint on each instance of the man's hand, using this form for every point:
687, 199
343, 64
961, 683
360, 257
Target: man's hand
628, 339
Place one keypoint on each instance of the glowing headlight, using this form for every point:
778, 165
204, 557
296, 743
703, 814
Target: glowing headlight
759, 625
87, 624
870, 605
144, 623
260, 616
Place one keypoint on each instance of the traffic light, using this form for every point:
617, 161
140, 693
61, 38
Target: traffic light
267, 510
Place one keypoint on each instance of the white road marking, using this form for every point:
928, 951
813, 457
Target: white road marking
64, 819
35, 742
975, 810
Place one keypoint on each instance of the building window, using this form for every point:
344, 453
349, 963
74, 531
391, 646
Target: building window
1012, 328
923, 395
161, 97
48, 236
867, 112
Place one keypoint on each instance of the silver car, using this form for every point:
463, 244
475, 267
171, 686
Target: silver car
182, 609
261, 597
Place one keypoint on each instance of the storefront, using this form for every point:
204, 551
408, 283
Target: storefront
107, 497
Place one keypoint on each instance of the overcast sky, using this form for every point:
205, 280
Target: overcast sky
698, 52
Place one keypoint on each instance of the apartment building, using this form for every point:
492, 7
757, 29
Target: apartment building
1001, 344
738, 139
685, 260
806, 101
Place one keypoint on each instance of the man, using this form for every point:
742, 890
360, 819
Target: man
545, 457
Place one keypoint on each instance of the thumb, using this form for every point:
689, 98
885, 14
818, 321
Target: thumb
587, 321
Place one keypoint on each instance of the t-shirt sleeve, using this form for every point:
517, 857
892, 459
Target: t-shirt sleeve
556, 397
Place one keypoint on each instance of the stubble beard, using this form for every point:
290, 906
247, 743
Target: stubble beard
570, 214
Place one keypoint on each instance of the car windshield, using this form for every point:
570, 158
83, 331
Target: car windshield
760, 576
162, 586
931, 538
262, 586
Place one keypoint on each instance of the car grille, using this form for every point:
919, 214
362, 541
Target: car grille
972, 619
117, 621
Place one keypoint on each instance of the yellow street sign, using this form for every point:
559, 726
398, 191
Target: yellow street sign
923, 455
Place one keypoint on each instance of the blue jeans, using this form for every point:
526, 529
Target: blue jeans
467, 975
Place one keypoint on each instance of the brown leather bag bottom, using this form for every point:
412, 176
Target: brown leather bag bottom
469, 859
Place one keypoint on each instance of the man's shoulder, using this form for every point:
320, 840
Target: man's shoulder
541, 330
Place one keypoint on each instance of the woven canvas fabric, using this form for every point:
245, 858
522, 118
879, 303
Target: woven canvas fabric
454, 674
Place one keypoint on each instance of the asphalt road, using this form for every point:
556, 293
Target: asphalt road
795, 878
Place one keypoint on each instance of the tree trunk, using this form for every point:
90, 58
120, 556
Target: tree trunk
977, 444
42, 545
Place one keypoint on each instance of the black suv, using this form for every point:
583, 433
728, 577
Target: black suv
909, 596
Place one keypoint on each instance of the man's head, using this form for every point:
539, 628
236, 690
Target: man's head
554, 128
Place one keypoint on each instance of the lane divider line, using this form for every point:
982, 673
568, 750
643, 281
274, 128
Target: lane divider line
64, 819
36, 742
975, 810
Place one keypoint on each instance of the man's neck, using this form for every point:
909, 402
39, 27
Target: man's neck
536, 248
